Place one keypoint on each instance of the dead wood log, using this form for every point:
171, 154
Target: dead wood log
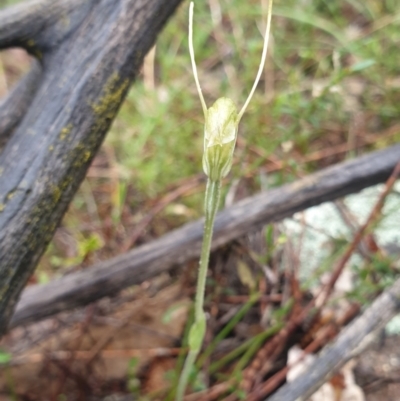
14, 107
144, 262
353, 340
89, 52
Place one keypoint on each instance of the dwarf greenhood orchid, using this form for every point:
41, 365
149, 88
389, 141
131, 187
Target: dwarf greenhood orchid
220, 133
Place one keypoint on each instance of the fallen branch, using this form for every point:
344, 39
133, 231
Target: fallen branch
375, 212
181, 245
353, 340
89, 52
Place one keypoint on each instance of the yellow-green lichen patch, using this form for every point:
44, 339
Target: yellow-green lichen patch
86, 155
2, 207
51, 148
10, 195
80, 154
56, 193
65, 132
65, 183
41, 230
112, 96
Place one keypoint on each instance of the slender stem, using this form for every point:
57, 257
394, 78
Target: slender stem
184, 378
213, 192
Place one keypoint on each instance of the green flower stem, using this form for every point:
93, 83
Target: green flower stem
184, 378
211, 202
197, 331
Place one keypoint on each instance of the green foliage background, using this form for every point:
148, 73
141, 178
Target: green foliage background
333, 68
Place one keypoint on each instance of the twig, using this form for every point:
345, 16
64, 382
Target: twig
163, 202
358, 237
327, 334
179, 246
354, 339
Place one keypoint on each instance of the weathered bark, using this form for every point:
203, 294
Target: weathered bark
89, 51
14, 107
353, 340
107, 278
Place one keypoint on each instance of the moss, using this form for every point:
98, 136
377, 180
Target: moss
80, 154
108, 103
65, 132
56, 193
42, 230
65, 183
86, 155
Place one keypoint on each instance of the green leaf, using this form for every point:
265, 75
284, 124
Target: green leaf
362, 65
246, 276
